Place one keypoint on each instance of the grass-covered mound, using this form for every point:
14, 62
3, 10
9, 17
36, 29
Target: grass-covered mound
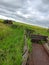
11, 45
12, 41
35, 29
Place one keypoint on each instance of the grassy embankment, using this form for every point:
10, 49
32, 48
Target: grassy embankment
12, 42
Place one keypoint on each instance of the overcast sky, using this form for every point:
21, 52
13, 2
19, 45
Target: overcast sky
28, 11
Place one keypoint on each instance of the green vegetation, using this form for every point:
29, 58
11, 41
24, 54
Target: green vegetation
35, 29
29, 43
12, 41
11, 44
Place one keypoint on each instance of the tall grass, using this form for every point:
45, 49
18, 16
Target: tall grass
11, 45
12, 41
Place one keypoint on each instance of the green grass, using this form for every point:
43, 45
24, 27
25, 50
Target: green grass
29, 43
36, 29
11, 45
12, 41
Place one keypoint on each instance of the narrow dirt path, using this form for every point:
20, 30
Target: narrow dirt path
38, 56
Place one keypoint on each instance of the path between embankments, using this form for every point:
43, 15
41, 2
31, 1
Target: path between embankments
38, 55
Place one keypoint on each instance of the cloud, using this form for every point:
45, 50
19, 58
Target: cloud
29, 11
45, 2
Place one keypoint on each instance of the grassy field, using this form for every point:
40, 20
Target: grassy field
35, 29
11, 44
12, 41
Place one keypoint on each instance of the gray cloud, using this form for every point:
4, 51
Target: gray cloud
45, 2
29, 11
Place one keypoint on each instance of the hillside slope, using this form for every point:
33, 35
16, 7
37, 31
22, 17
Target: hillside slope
12, 41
